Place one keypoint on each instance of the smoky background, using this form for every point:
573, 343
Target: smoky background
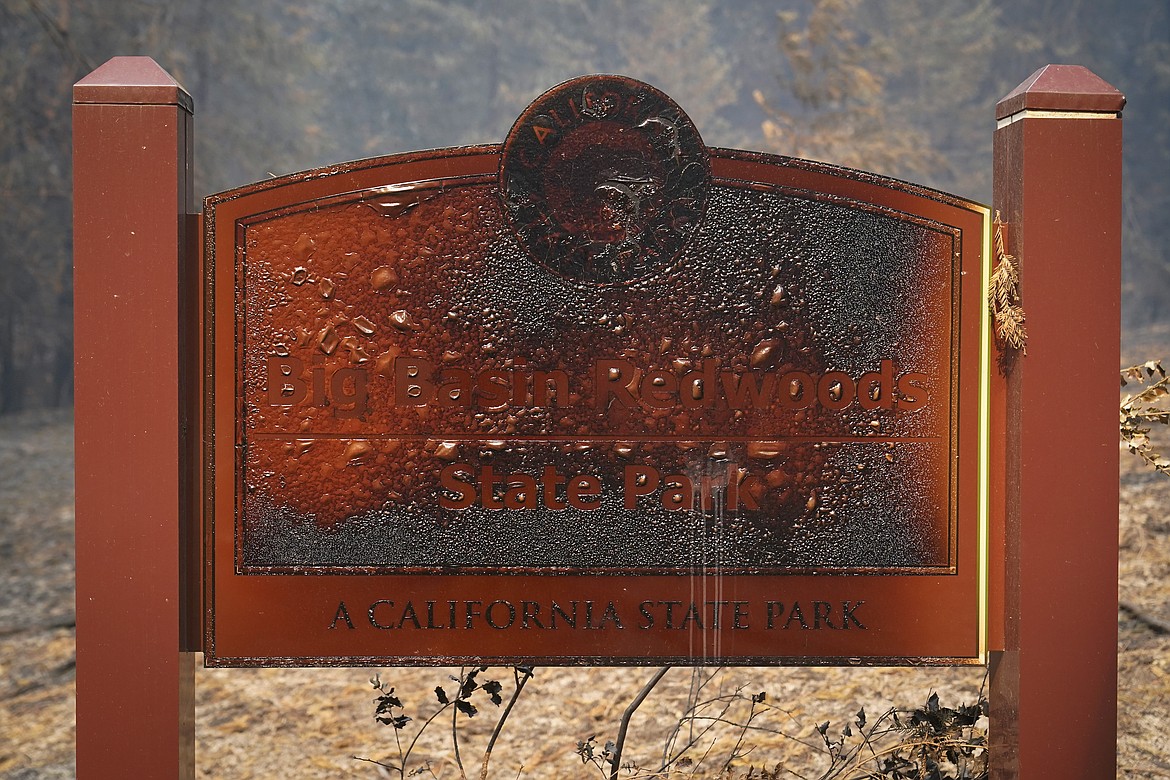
901, 87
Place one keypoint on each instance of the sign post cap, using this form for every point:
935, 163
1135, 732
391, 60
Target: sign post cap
1062, 88
132, 81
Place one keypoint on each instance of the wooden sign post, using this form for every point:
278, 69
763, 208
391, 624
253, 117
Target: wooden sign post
1054, 422
135, 284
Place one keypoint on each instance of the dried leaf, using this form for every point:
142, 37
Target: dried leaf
1144, 408
1004, 296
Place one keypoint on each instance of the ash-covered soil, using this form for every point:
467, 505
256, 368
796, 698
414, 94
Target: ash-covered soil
311, 723
36, 595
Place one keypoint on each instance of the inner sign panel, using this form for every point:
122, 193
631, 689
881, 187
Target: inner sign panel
421, 393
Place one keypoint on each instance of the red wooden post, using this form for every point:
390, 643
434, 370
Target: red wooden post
132, 194
1058, 186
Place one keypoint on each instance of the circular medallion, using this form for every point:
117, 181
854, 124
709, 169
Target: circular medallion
605, 179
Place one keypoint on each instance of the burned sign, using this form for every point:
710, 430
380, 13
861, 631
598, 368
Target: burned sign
599, 394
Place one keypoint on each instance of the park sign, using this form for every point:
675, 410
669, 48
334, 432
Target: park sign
736, 409
601, 394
